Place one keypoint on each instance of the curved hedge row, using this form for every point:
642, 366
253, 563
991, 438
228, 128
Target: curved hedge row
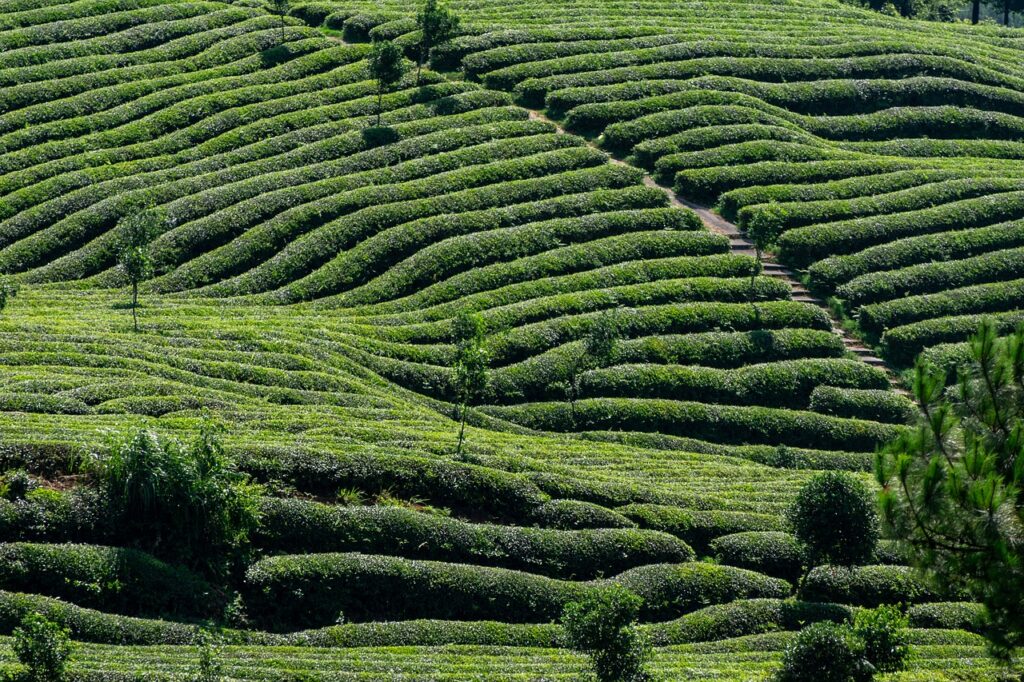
114, 579
865, 585
699, 527
313, 589
876, 405
723, 423
295, 526
770, 552
980, 298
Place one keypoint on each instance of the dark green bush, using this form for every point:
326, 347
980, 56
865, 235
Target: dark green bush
294, 526
835, 519
865, 585
824, 652
602, 625
576, 514
772, 553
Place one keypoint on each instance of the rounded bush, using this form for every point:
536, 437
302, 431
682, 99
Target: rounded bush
835, 518
865, 585
824, 652
575, 515
772, 553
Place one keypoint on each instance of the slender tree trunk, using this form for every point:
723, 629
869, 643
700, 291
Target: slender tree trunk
975, 11
1006, 12
282, 29
135, 305
380, 97
419, 65
462, 429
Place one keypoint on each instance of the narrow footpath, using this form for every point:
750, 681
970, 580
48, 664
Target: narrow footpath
740, 244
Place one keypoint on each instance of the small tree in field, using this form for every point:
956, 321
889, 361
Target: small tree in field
280, 8
44, 647
603, 626
133, 251
437, 26
470, 366
598, 349
386, 67
834, 517
953, 486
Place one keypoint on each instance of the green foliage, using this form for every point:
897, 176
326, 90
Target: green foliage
603, 626
951, 487
133, 255
187, 503
471, 360
824, 652
8, 290
280, 8
437, 26
886, 638
386, 65
209, 666
834, 517
44, 647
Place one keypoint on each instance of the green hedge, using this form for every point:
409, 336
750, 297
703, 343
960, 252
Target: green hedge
876, 405
980, 298
111, 578
294, 526
834, 271
770, 552
902, 344
804, 245
926, 278
430, 633
948, 616
312, 590
573, 515
719, 423
865, 585
474, 489
698, 527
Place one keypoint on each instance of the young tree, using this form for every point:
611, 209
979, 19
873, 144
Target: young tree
953, 486
280, 8
603, 626
437, 26
598, 349
1007, 7
471, 360
825, 652
834, 517
133, 251
185, 503
386, 67
44, 647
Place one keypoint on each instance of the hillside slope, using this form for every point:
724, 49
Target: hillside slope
310, 267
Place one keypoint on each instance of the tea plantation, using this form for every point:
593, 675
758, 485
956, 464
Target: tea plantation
545, 177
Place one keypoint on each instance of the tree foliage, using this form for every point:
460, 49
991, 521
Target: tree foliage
185, 503
136, 231
43, 647
437, 25
280, 8
603, 626
386, 67
953, 485
598, 349
471, 360
834, 517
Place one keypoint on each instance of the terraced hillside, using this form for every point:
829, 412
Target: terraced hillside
882, 155
310, 270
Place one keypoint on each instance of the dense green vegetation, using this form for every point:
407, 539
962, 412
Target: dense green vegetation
338, 349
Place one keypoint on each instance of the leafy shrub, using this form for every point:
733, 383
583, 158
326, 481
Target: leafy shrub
824, 652
188, 503
772, 553
834, 517
44, 647
575, 514
698, 528
865, 585
874, 404
290, 525
886, 638
602, 625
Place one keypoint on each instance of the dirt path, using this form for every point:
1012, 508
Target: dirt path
740, 244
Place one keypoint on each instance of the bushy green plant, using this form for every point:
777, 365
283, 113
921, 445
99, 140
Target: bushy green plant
824, 652
884, 632
437, 25
186, 503
603, 626
834, 517
43, 647
386, 68
8, 290
471, 360
133, 255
